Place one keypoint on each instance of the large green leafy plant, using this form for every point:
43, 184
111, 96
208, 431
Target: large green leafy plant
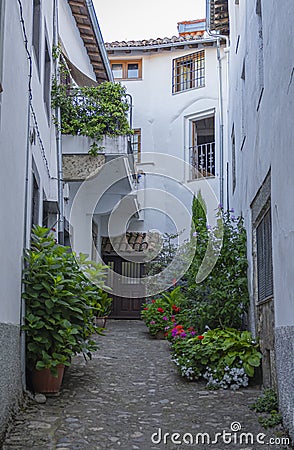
60, 303
221, 300
224, 357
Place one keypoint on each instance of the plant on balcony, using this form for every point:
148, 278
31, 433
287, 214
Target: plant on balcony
95, 111
60, 304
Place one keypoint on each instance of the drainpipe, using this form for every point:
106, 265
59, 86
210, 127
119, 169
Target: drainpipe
58, 135
99, 38
26, 243
218, 38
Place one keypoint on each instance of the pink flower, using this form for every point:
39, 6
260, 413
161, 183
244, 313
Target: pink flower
165, 318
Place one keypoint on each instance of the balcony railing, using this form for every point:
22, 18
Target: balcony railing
202, 160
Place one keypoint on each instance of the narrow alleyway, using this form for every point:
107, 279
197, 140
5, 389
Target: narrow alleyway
128, 392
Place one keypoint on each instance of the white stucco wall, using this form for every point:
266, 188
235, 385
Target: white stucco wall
269, 135
268, 126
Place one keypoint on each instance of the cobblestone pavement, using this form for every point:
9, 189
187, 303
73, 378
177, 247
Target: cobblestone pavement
129, 392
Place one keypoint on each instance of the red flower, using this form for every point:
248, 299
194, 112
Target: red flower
153, 301
190, 329
179, 327
200, 337
145, 309
176, 309
160, 310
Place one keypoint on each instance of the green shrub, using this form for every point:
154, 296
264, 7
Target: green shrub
60, 302
224, 357
221, 300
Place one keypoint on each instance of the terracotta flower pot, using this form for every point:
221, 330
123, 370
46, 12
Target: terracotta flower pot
44, 382
160, 335
101, 322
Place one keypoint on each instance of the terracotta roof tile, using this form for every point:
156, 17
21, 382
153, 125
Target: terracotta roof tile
152, 42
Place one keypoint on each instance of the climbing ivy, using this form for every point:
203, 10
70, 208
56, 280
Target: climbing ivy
93, 111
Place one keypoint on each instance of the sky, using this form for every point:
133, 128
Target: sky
121, 20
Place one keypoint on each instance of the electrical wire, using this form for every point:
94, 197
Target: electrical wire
30, 92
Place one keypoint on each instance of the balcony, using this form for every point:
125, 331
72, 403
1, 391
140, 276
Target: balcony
202, 160
79, 165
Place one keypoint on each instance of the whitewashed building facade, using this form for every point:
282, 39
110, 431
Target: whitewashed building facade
261, 176
31, 168
179, 107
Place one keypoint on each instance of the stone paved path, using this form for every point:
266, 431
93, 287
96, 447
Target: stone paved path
128, 392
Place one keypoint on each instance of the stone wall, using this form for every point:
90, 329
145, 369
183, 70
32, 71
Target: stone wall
285, 374
10, 374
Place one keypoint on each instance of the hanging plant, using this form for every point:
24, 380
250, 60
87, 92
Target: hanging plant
95, 111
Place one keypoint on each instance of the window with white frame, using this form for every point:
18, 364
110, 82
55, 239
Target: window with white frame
189, 72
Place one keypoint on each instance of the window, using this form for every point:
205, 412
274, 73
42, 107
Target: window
189, 72
127, 70
202, 150
35, 202
37, 30
260, 65
264, 257
233, 141
136, 144
47, 80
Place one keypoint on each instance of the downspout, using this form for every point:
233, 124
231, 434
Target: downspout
58, 134
218, 38
26, 243
99, 38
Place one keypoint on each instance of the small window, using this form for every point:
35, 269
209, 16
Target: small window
37, 30
127, 70
264, 257
233, 141
136, 144
35, 202
189, 72
47, 80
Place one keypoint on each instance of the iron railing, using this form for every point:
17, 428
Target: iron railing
202, 159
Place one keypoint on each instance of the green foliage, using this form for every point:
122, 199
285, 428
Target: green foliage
225, 357
158, 313
92, 111
268, 404
221, 300
60, 302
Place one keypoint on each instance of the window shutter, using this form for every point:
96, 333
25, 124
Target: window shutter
264, 257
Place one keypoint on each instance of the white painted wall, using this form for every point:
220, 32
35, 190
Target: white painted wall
268, 126
269, 135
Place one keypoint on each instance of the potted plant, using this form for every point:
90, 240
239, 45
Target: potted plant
58, 297
105, 309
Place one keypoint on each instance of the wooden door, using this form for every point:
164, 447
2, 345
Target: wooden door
126, 306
